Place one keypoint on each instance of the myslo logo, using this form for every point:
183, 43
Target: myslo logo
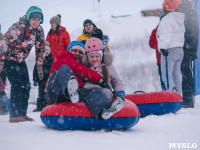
183, 145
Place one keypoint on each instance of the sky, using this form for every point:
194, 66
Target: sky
73, 12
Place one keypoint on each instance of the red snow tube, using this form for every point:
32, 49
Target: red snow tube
157, 103
76, 116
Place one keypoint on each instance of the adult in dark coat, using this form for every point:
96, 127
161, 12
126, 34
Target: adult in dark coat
190, 52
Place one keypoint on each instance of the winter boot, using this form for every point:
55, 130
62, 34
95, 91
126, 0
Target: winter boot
115, 106
16, 119
72, 90
27, 118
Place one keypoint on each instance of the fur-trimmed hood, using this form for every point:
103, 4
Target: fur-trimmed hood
108, 59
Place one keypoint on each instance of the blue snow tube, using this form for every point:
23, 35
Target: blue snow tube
76, 116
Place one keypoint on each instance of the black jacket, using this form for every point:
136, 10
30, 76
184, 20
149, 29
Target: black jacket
46, 69
191, 29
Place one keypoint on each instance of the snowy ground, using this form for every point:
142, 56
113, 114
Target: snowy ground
136, 65
151, 133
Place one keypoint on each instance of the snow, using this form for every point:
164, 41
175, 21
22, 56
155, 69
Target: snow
135, 63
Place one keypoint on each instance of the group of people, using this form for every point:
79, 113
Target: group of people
175, 40
65, 71
82, 70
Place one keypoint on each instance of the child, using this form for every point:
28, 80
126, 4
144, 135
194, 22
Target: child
170, 37
101, 63
4, 101
41, 100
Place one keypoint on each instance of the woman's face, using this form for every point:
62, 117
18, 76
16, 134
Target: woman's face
53, 26
34, 22
95, 59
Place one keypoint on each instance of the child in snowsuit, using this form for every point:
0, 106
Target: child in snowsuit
41, 100
170, 37
101, 63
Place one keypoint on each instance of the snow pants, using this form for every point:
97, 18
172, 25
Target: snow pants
161, 81
17, 74
94, 99
187, 81
171, 69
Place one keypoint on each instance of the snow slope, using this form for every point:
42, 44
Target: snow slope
134, 61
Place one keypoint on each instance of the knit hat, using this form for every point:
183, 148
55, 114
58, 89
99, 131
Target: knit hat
56, 19
34, 9
171, 4
87, 21
35, 15
76, 45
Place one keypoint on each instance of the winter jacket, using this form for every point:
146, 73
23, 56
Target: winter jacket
81, 72
20, 38
46, 67
96, 33
171, 30
114, 81
153, 43
59, 40
191, 29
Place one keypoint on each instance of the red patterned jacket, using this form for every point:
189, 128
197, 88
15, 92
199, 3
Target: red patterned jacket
59, 40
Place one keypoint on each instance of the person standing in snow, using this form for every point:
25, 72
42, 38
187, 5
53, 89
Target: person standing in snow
46, 67
101, 63
170, 37
20, 38
66, 82
153, 43
190, 52
90, 30
58, 37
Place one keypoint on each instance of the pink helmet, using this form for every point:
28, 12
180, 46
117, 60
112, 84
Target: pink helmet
93, 44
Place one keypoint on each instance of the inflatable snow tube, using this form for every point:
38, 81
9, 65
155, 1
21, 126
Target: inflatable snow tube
76, 116
157, 103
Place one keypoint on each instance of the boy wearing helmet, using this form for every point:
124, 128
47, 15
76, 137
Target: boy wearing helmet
66, 81
101, 63
20, 39
170, 37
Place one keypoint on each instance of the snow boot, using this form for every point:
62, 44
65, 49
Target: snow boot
27, 118
16, 119
72, 90
115, 106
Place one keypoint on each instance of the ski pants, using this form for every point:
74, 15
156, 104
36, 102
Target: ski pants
161, 81
171, 69
94, 99
17, 74
187, 81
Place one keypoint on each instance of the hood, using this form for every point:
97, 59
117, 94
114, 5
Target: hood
62, 28
108, 59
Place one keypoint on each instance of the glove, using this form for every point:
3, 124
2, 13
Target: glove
1, 65
120, 93
103, 84
164, 52
40, 71
35, 83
